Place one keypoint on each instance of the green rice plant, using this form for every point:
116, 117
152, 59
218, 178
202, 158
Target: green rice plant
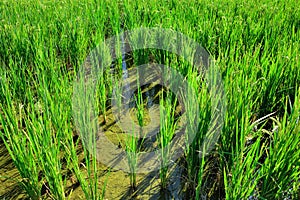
19, 144
87, 124
192, 137
71, 149
102, 95
197, 151
86, 173
50, 141
244, 177
140, 107
167, 130
280, 170
25, 161
35, 126
200, 175
131, 147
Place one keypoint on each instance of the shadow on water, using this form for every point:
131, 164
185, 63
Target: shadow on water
149, 187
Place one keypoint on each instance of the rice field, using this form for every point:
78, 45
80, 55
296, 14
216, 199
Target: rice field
177, 99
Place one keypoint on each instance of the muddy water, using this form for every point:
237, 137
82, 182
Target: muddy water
9, 175
148, 184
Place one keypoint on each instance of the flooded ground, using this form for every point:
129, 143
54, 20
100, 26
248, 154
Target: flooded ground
117, 181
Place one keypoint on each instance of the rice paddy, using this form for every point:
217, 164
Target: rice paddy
178, 99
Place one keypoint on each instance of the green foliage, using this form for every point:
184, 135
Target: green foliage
256, 48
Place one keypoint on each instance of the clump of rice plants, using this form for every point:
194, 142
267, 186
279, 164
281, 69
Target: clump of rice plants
167, 131
132, 144
131, 148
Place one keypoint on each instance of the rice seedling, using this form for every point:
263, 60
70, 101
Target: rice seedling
167, 130
132, 157
135, 139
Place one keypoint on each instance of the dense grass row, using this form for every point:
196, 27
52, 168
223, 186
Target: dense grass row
256, 48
